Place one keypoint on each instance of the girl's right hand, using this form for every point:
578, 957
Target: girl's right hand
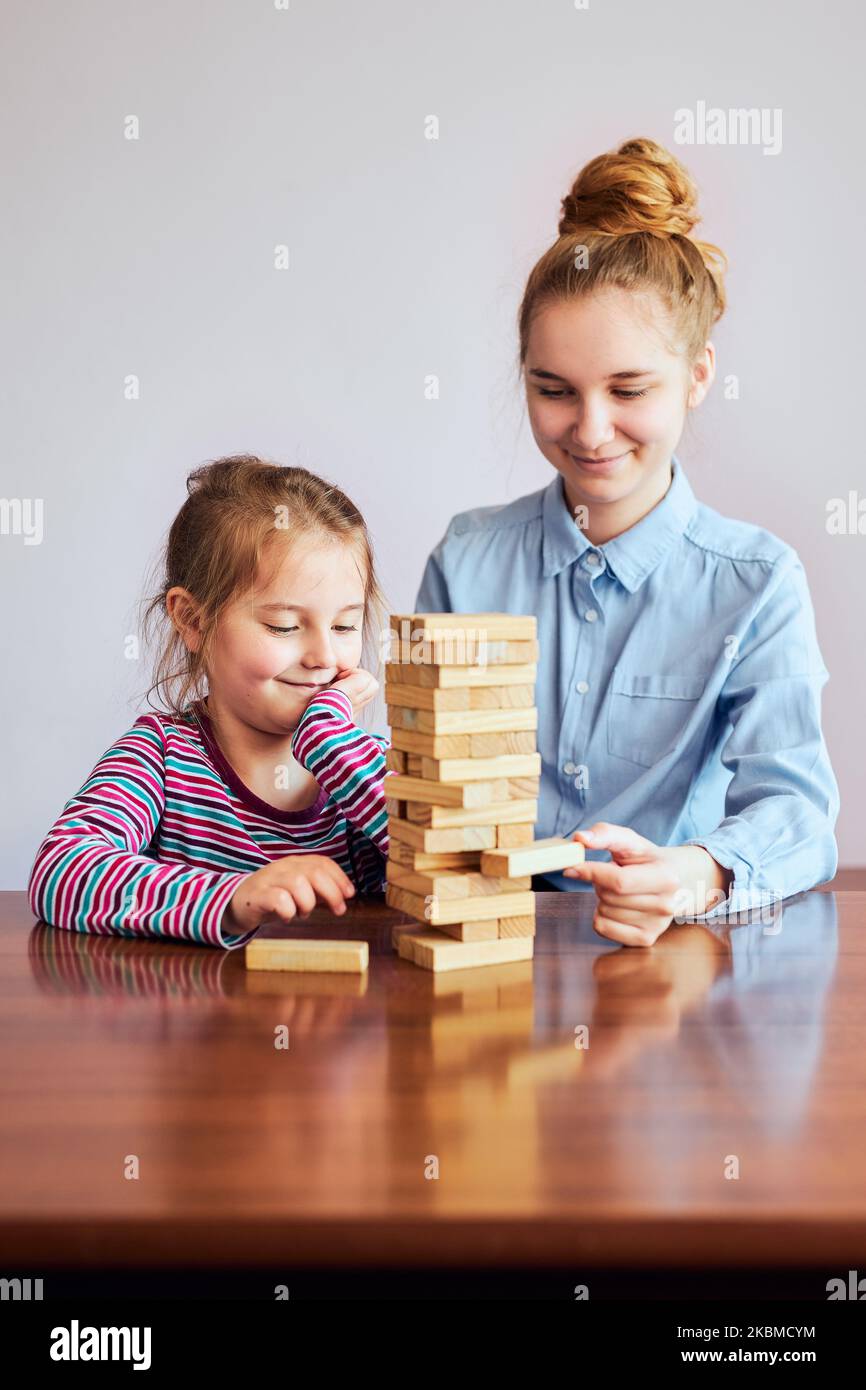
360, 686
287, 887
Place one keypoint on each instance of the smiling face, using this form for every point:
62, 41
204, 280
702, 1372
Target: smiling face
607, 401
300, 629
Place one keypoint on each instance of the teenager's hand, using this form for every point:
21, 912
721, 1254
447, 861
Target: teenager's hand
285, 888
636, 892
646, 885
359, 685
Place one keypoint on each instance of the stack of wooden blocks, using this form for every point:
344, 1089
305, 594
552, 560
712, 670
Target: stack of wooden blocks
462, 787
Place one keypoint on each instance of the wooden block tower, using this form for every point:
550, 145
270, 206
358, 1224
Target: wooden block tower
464, 776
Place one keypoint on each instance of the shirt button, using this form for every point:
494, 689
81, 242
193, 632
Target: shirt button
591, 614
593, 558
569, 768
582, 687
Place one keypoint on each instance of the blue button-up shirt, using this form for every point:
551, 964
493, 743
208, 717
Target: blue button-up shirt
679, 679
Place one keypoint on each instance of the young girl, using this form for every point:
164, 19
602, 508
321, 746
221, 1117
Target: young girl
679, 676
256, 793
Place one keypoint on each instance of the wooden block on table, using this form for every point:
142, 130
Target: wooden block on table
517, 926
451, 677
511, 836
542, 856
464, 795
432, 950
410, 858
482, 721
478, 837
395, 761
468, 650
446, 817
434, 745
515, 626
317, 954
458, 931
453, 883
439, 910
471, 931
477, 769
433, 701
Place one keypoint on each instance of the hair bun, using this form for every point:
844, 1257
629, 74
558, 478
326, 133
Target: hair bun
641, 187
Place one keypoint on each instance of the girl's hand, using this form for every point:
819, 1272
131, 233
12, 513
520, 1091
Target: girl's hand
287, 887
359, 685
637, 893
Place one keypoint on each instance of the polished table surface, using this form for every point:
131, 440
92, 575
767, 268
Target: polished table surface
430, 1120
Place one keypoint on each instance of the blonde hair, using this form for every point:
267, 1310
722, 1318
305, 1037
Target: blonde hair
216, 543
633, 209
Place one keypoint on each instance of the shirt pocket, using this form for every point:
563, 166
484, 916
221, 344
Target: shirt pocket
648, 716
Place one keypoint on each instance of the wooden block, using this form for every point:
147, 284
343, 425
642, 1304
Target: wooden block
446, 817
511, 836
482, 721
517, 926
285, 953
444, 794
471, 931
515, 626
451, 677
477, 769
461, 650
436, 910
452, 883
432, 950
434, 701
395, 761
393, 807
495, 745
542, 856
414, 764
495, 696
434, 745
442, 841
524, 788
415, 859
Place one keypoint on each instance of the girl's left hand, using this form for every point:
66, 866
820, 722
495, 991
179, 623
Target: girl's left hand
637, 892
359, 685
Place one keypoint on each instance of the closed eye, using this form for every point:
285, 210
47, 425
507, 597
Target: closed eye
281, 631
621, 392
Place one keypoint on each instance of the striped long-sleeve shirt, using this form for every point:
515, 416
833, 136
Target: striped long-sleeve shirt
163, 831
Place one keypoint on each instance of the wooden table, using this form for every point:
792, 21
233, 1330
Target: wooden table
703, 1054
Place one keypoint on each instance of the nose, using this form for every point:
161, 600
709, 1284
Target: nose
593, 427
318, 652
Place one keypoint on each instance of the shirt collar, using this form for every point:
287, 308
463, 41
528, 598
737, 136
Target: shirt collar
632, 555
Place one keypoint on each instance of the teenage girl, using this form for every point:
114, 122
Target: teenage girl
679, 676
255, 792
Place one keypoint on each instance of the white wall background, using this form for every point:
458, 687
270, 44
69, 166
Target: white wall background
408, 256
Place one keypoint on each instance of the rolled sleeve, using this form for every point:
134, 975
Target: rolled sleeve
782, 801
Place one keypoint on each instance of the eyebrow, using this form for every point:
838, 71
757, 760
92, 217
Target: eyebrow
296, 608
614, 376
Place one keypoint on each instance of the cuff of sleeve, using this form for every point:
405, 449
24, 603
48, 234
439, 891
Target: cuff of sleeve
229, 940
741, 896
336, 701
